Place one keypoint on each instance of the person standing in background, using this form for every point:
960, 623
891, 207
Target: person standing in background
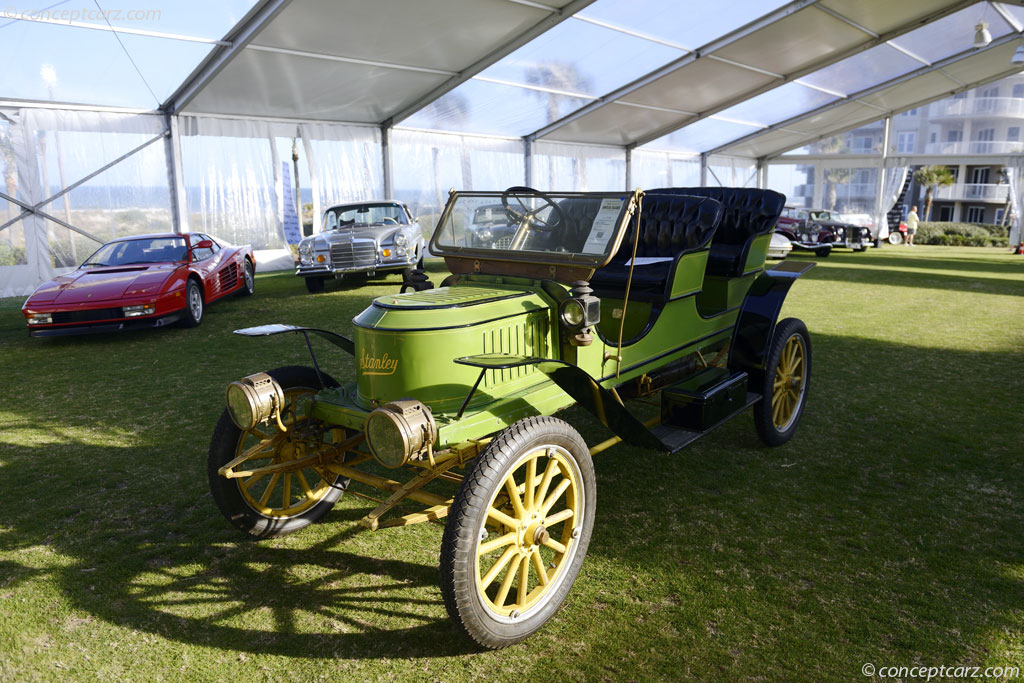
912, 221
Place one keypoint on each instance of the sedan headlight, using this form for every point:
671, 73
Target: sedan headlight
401, 240
40, 319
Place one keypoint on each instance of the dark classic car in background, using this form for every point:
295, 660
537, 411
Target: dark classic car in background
361, 238
141, 281
491, 227
812, 228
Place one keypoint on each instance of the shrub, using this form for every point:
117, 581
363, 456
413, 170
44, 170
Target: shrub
962, 234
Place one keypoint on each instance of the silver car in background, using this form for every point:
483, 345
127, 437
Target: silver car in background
361, 238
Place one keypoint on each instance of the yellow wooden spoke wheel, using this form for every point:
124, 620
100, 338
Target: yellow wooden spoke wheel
277, 498
787, 376
518, 531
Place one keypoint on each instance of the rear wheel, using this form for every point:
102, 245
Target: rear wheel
250, 281
279, 503
315, 285
518, 531
786, 380
896, 237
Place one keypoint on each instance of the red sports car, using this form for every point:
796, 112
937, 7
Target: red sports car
141, 281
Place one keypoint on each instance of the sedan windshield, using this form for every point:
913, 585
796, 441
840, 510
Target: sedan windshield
341, 217
142, 250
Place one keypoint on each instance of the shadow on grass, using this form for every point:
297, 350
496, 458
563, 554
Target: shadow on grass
175, 568
889, 524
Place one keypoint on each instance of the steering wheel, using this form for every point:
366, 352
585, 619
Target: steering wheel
388, 220
527, 216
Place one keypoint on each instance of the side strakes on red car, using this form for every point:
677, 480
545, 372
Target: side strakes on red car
141, 281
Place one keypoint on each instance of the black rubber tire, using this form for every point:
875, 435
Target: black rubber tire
763, 422
315, 285
249, 278
225, 492
461, 534
193, 318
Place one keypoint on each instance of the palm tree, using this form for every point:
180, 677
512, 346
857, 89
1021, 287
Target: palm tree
931, 177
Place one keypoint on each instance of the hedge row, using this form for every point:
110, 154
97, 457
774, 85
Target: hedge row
962, 234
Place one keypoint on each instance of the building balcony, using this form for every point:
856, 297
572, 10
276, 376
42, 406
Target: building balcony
974, 147
979, 106
975, 192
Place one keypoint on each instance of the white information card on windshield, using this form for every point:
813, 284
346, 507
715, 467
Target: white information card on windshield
604, 226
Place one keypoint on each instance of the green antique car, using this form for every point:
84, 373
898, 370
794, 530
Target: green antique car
595, 299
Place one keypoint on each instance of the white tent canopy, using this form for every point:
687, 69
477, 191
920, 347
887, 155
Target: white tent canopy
407, 99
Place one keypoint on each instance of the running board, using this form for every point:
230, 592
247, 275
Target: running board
677, 438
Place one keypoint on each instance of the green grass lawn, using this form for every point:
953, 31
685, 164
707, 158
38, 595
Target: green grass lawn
888, 531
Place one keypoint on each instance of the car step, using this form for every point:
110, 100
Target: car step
692, 408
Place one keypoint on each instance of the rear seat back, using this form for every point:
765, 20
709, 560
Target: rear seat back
746, 214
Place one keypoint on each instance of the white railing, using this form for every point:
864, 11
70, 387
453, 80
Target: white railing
975, 147
979, 106
959, 191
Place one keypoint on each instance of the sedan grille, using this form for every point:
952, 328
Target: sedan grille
502, 243
354, 254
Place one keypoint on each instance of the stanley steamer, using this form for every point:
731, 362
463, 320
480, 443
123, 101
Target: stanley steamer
595, 299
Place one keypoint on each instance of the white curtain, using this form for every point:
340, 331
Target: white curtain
1015, 174
664, 169
46, 150
726, 171
578, 168
426, 165
231, 184
345, 164
892, 182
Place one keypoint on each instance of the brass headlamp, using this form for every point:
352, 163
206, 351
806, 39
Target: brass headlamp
255, 399
399, 431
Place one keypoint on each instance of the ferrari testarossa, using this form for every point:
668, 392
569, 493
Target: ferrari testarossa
141, 281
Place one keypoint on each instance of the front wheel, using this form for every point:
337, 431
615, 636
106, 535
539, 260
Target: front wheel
518, 531
193, 304
267, 505
787, 377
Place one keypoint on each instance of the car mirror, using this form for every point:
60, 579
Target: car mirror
204, 244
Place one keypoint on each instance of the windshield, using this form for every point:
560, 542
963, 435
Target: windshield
523, 224
143, 250
364, 214
821, 215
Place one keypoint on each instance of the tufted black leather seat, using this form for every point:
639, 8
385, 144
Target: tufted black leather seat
671, 225
747, 213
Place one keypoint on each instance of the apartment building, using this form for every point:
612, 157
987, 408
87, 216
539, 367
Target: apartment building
962, 129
